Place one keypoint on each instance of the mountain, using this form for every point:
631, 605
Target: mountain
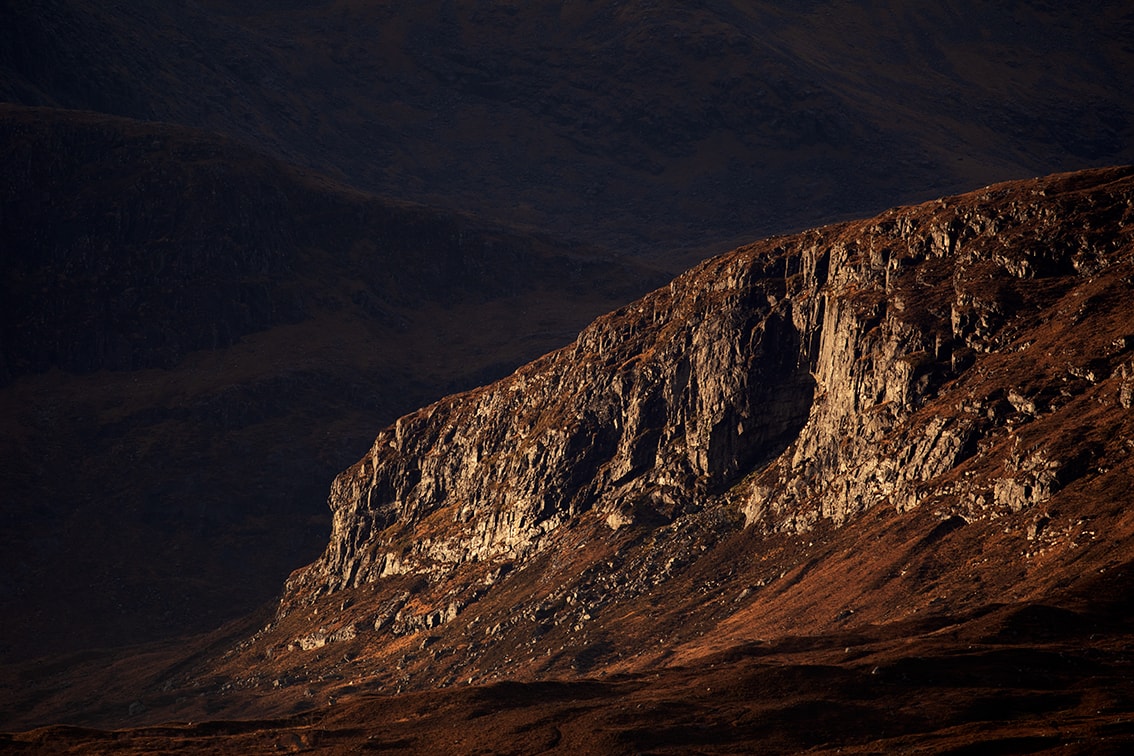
964, 363
198, 211
655, 127
239, 236
195, 337
865, 487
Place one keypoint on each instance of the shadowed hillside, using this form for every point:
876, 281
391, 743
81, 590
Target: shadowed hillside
196, 337
648, 126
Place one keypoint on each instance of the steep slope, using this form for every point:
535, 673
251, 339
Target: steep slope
195, 337
898, 446
642, 125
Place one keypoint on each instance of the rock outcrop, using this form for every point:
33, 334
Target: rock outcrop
232, 330
652, 411
827, 429
801, 362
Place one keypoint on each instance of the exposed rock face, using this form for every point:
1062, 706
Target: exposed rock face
812, 353
926, 306
654, 409
956, 372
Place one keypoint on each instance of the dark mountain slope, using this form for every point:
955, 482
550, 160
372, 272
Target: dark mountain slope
867, 486
194, 337
646, 126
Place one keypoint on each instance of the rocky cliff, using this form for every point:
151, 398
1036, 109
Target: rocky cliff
730, 454
818, 365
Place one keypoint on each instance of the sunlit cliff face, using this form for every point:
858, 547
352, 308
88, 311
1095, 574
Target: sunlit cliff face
885, 458
726, 447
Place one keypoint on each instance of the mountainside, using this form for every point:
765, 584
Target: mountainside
890, 459
195, 337
646, 126
203, 288
969, 358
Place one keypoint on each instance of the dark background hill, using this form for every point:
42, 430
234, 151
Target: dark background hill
650, 126
197, 337
211, 304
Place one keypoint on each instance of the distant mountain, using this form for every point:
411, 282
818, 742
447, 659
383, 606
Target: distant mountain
863, 476
194, 337
646, 126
